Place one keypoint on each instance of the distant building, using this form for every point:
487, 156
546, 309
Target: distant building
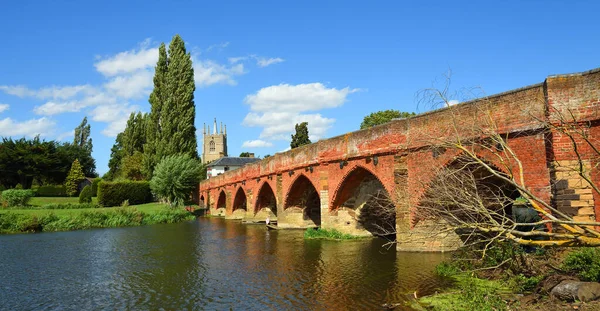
215, 144
225, 164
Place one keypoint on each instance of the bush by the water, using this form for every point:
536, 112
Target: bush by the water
51, 191
118, 217
86, 195
15, 197
175, 177
328, 234
114, 193
584, 262
95, 183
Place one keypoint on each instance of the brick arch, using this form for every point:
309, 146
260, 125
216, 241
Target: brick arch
202, 200
454, 161
291, 185
336, 195
264, 192
221, 200
239, 200
303, 194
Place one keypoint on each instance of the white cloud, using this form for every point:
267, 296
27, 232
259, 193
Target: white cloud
453, 102
65, 135
297, 98
208, 72
53, 92
136, 85
115, 115
278, 108
264, 62
4, 107
218, 46
129, 61
234, 60
256, 144
52, 108
30, 128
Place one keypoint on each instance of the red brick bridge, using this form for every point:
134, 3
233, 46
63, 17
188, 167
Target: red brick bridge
329, 183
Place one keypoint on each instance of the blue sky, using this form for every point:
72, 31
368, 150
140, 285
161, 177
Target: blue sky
261, 66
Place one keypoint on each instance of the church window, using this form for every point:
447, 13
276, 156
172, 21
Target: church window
212, 146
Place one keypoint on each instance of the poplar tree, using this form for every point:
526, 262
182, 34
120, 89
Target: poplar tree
134, 135
157, 100
82, 136
170, 129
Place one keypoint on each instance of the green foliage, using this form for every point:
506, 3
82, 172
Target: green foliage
114, 193
74, 178
301, 136
584, 262
521, 283
69, 205
116, 155
328, 234
19, 187
82, 136
245, 155
446, 269
15, 197
383, 116
24, 161
51, 191
266, 156
134, 135
95, 183
170, 129
132, 166
86, 195
175, 177
119, 217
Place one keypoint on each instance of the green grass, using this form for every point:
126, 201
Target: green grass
328, 234
39, 201
35, 220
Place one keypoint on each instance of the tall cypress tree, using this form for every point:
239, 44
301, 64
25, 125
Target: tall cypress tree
170, 129
82, 135
179, 135
154, 120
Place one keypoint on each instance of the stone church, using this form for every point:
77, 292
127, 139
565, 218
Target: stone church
215, 143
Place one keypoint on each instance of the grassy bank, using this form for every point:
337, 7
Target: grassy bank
43, 220
40, 201
328, 234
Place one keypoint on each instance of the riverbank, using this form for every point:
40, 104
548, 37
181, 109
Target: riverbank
513, 279
50, 220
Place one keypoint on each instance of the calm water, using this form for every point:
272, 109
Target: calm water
207, 264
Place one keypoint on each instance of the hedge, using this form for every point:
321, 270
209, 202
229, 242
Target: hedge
114, 193
51, 191
86, 195
95, 183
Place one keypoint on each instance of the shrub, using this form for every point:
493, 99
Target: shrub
68, 206
114, 193
51, 191
86, 195
74, 178
16, 197
328, 234
175, 177
585, 262
95, 183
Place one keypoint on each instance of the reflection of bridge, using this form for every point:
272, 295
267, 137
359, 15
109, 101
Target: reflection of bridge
330, 182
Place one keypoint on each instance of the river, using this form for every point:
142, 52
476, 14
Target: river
206, 264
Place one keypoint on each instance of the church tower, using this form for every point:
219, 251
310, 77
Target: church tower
215, 144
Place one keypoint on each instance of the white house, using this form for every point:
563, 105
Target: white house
225, 164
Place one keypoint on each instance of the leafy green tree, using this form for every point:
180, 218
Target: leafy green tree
301, 136
245, 155
82, 135
116, 155
171, 128
132, 166
74, 178
86, 195
155, 119
383, 116
175, 177
134, 135
266, 156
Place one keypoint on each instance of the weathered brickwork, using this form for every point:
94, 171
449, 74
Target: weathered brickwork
403, 157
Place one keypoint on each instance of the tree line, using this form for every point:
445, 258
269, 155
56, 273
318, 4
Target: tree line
24, 162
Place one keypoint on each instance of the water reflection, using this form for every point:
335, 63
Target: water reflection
208, 264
